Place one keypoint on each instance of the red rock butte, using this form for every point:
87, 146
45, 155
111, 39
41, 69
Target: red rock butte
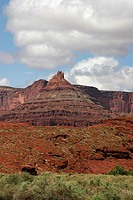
58, 81
60, 103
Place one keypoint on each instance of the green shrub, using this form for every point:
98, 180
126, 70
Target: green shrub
95, 181
97, 197
23, 192
11, 179
111, 195
25, 176
131, 172
92, 182
119, 170
52, 186
7, 192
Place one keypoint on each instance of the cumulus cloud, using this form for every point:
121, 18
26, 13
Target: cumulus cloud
50, 32
4, 82
104, 73
6, 58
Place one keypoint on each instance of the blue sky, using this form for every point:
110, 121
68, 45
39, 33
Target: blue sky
18, 74
91, 41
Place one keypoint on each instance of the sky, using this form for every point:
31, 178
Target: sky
90, 40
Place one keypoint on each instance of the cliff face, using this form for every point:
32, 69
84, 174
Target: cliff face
120, 103
58, 102
11, 98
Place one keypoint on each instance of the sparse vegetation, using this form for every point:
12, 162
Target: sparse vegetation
53, 186
120, 170
61, 149
104, 145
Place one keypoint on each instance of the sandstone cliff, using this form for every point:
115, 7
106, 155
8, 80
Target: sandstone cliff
58, 102
120, 103
11, 97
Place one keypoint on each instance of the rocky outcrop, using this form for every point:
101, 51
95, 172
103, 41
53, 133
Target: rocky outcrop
120, 103
29, 168
119, 154
96, 149
60, 103
11, 97
8, 98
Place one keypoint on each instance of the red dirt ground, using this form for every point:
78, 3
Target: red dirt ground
95, 149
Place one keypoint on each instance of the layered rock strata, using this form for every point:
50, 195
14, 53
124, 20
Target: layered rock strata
117, 102
58, 102
13, 97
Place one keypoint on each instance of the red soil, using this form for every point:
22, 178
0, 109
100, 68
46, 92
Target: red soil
94, 149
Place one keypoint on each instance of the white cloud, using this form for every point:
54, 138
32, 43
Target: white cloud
50, 32
4, 82
6, 58
105, 73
